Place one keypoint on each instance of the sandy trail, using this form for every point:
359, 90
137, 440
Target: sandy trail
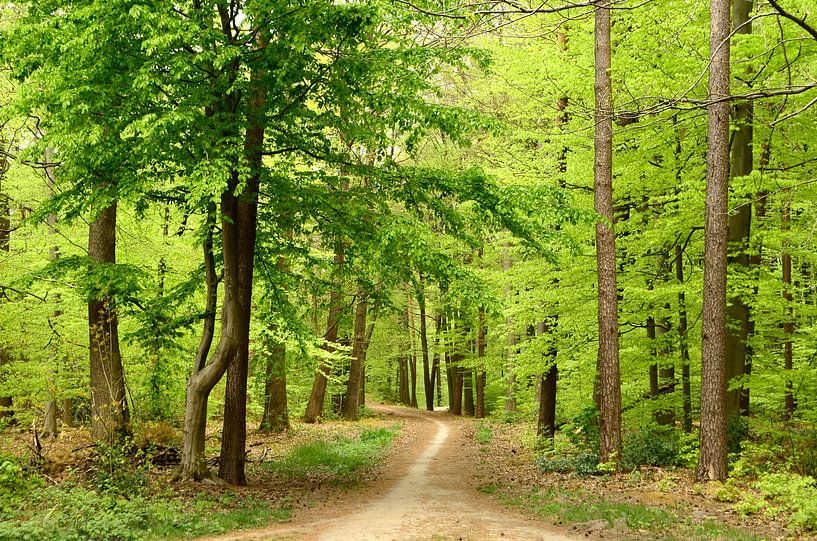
430, 499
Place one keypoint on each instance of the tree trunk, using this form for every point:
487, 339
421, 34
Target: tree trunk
412, 353
50, 418
428, 384
351, 407
110, 418
607, 365
314, 408
712, 465
683, 347
467, 391
479, 412
369, 333
234, 426
546, 420
276, 413
788, 321
6, 402
205, 376
510, 365
740, 222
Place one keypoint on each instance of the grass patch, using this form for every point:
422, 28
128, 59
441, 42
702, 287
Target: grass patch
340, 460
577, 508
483, 434
73, 513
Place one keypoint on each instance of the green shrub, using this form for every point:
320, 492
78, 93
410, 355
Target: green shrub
586, 463
340, 459
653, 445
794, 493
483, 434
583, 430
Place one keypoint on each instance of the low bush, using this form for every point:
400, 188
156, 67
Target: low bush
652, 445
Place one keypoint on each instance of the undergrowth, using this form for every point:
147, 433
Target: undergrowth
340, 460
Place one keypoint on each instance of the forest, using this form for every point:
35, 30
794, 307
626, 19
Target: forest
584, 229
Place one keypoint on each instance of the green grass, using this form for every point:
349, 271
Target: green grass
340, 460
79, 514
483, 434
579, 507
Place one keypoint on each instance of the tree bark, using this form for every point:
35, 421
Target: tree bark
110, 418
510, 365
683, 346
788, 321
479, 412
234, 426
412, 353
428, 384
351, 406
6, 402
50, 418
546, 420
607, 365
276, 413
712, 464
740, 224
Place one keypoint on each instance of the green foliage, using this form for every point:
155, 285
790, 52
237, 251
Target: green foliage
483, 434
796, 494
652, 445
15, 484
583, 463
78, 514
338, 460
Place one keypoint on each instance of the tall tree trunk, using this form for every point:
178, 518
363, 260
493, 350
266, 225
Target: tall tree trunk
546, 420
50, 419
712, 464
276, 413
683, 346
205, 376
314, 407
479, 412
369, 333
110, 418
607, 365
412, 352
740, 223
6, 402
428, 384
467, 391
510, 365
351, 406
234, 426
788, 321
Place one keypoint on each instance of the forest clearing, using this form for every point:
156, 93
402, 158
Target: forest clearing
398, 269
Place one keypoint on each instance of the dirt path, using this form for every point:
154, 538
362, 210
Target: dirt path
430, 497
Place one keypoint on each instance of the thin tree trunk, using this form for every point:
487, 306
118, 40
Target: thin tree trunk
412, 353
428, 384
369, 333
683, 347
510, 365
546, 420
351, 405
110, 418
276, 413
6, 402
788, 321
481, 342
50, 418
607, 367
712, 464
467, 391
314, 407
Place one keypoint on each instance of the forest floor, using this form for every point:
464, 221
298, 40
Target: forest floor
441, 482
424, 490
442, 478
